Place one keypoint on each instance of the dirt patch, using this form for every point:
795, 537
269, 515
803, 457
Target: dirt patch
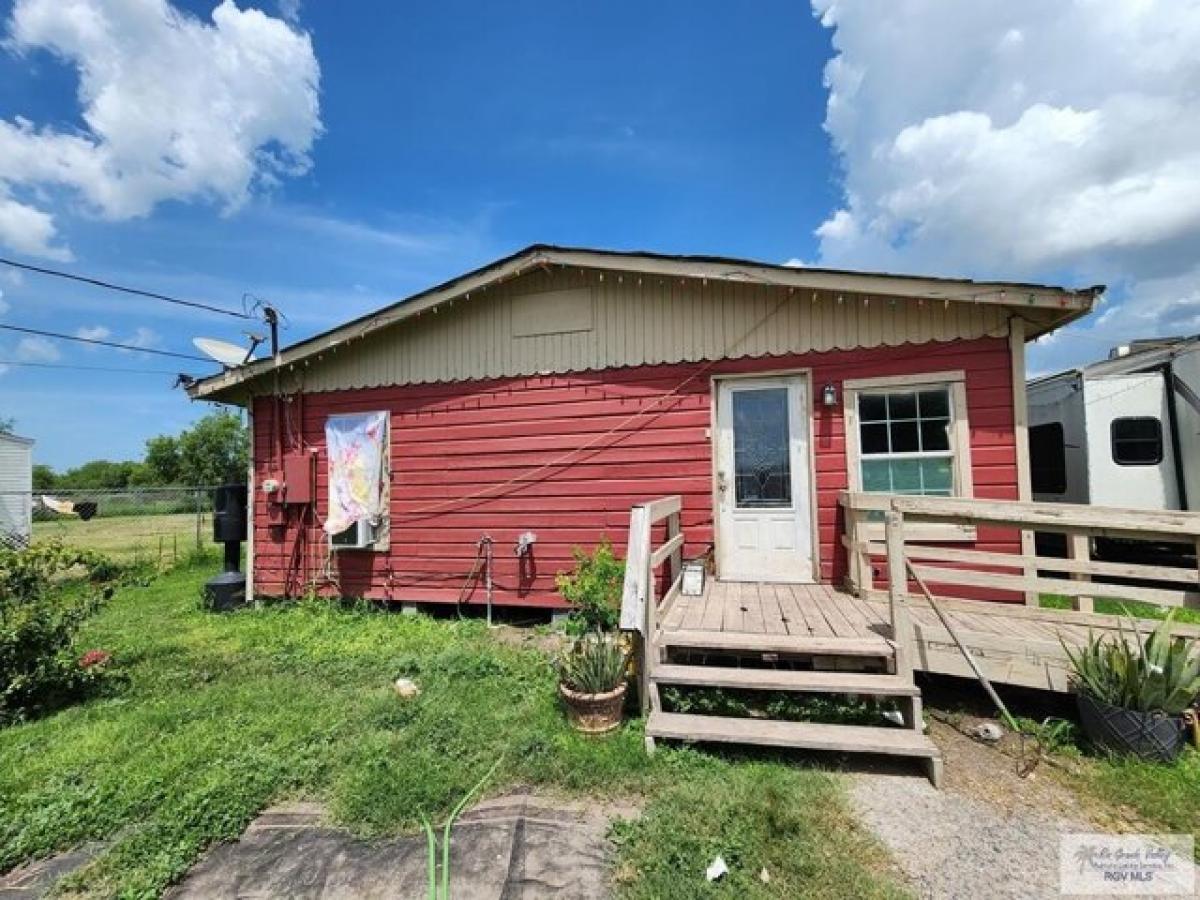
519, 845
549, 642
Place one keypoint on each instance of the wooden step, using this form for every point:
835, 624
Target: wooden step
801, 735
781, 680
876, 646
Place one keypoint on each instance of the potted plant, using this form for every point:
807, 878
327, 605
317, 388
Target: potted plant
592, 682
593, 588
1132, 696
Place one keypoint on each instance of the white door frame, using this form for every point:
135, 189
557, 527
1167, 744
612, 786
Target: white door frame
715, 383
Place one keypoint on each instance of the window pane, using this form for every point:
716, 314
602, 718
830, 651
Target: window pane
1048, 458
872, 407
935, 435
906, 476
874, 439
904, 437
937, 476
1137, 441
935, 404
902, 406
877, 476
913, 425
761, 449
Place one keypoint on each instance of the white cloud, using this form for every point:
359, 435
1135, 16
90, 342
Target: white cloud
5, 306
37, 349
143, 337
93, 333
175, 109
289, 9
1040, 140
26, 229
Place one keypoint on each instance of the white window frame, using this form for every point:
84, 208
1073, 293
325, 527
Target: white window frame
960, 444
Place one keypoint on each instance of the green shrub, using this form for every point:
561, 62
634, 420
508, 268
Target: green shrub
46, 594
593, 587
595, 665
1159, 674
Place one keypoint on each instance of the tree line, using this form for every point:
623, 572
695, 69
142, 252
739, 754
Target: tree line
215, 450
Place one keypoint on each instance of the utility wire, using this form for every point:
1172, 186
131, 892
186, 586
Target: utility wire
137, 292
100, 343
42, 365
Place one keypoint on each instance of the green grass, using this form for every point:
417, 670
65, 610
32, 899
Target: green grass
1163, 795
1114, 607
159, 539
221, 715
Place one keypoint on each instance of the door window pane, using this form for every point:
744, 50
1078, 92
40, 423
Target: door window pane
761, 448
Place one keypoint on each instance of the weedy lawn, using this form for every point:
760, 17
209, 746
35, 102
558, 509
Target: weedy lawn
217, 716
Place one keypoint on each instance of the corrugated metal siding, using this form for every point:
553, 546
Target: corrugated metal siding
636, 321
16, 482
451, 442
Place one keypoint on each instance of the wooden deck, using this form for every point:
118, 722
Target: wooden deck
869, 641
1015, 644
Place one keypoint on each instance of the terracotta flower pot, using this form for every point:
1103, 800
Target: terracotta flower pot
594, 713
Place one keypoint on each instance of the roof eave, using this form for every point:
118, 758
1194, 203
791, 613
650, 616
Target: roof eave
1073, 304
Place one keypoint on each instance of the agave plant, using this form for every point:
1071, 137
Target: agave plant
595, 665
1160, 673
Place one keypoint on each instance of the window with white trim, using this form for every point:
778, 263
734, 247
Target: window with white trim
909, 435
904, 441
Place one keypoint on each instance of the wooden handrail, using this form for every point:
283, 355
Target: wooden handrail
1101, 521
640, 610
959, 567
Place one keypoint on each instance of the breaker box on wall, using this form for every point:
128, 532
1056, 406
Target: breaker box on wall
299, 477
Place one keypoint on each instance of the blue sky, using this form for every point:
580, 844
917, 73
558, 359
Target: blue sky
444, 135
452, 134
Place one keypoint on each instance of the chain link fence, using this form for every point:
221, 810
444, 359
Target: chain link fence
145, 524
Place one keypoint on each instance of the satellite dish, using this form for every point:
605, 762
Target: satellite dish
227, 354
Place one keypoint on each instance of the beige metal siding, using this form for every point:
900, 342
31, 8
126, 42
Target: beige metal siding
632, 321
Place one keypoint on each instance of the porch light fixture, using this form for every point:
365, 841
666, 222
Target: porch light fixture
829, 394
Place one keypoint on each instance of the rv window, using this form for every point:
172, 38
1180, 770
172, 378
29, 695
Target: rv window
1048, 458
1137, 441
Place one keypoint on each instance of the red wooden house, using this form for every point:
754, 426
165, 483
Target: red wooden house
535, 400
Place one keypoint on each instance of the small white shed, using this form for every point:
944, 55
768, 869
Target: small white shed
16, 490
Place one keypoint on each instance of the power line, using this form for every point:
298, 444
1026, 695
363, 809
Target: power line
137, 292
43, 365
100, 343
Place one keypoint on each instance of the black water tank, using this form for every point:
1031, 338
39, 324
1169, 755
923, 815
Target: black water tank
229, 513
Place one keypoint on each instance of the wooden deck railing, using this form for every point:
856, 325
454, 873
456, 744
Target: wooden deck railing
641, 608
899, 538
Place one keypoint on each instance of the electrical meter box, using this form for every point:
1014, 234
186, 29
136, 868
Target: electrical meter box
300, 477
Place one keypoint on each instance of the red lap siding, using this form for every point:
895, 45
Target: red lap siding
566, 457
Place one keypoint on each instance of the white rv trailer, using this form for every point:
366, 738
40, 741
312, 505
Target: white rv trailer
1122, 432
16, 486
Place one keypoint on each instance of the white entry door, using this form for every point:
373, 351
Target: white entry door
765, 514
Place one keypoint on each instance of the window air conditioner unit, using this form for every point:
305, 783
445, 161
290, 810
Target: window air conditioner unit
359, 536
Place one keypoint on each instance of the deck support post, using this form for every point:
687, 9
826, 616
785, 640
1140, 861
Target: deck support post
1079, 547
902, 633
